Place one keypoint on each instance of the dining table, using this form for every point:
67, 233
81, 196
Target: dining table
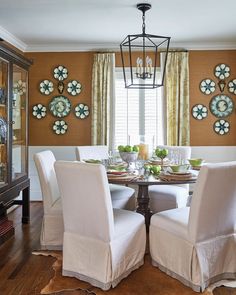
143, 183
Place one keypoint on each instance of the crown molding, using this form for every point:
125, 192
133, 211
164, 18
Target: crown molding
73, 47
8, 37
116, 47
204, 45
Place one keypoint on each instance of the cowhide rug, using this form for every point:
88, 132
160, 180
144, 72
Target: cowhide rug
147, 280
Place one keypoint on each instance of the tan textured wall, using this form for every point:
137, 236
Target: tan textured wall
202, 64
79, 65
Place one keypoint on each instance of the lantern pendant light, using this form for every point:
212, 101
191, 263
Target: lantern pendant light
144, 57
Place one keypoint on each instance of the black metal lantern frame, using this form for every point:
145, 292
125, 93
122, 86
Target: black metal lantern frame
143, 65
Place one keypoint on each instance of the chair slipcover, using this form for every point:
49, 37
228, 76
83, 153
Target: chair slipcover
122, 197
52, 225
170, 196
100, 247
198, 245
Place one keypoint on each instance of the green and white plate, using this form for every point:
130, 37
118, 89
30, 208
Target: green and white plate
232, 86
207, 86
46, 87
222, 71
81, 111
221, 106
74, 87
60, 73
39, 111
60, 106
60, 127
221, 127
199, 111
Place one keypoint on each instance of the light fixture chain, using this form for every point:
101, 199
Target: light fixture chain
143, 25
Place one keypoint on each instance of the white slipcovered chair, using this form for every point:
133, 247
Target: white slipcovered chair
122, 197
197, 245
52, 226
165, 197
101, 245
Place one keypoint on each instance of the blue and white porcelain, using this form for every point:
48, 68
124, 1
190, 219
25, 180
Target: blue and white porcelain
19, 87
221, 106
46, 87
199, 111
221, 127
60, 127
3, 130
207, 86
81, 111
39, 111
74, 87
222, 71
60, 73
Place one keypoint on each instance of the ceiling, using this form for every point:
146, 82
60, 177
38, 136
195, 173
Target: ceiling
79, 25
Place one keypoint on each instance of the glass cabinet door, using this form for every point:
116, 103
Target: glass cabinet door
19, 122
4, 68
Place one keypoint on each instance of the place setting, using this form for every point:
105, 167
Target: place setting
177, 173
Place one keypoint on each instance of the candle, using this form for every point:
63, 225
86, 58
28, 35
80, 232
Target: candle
143, 151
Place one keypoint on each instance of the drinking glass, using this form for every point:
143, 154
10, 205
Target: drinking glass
139, 165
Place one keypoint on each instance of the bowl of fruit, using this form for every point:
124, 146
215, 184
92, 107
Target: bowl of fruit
128, 154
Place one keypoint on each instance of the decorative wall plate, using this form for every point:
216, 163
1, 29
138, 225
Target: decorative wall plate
60, 127
46, 87
221, 127
199, 111
232, 86
74, 87
39, 111
221, 106
60, 106
19, 87
3, 129
207, 86
222, 71
81, 111
60, 73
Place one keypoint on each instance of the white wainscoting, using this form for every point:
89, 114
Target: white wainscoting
209, 153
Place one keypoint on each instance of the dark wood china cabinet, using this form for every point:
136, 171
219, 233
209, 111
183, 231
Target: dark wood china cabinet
14, 180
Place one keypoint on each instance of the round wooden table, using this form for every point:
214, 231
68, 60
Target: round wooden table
143, 196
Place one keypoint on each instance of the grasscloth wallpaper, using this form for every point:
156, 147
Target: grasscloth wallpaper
79, 65
202, 64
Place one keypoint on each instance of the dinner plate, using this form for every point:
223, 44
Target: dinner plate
169, 176
92, 161
180, 173
117, 172
120, 177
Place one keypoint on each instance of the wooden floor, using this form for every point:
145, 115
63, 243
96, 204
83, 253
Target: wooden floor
22, 273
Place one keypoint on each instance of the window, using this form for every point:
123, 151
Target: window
137, 112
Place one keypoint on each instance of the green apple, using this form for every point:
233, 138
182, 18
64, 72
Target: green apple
155, 169
161, 153
136, 148
128, 149
165, 152
121, 148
